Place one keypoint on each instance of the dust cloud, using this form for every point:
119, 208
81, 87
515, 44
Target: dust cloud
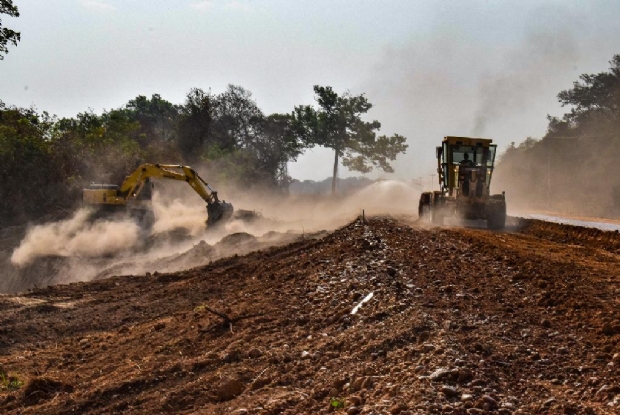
178, 214
310, 212
517, 86
78, 249
76, 237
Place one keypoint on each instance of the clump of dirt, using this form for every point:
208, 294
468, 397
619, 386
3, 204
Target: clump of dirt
199, 254
229, 389
236, 240
40, 389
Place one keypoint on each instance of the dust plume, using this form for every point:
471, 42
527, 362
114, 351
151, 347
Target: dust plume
455, 80
311, 212
526, 73
178, 213
78, 249
76, 237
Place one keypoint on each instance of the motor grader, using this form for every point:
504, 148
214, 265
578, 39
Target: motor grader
465, 167
133, 196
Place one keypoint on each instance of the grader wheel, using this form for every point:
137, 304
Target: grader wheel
496, 217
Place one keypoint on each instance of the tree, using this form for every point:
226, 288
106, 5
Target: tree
156, 116
595, 92
275, 146
337, 124
194, 124
236, 118
7, 35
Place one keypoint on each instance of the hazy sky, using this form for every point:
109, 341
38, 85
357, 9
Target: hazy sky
431, 68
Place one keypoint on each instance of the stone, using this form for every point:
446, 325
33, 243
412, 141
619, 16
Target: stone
440, 374
449, 391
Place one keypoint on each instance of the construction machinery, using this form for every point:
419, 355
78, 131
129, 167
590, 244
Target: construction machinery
465, 167
133, 196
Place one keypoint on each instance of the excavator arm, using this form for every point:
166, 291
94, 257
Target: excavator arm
216, 210
133, 183
128, 195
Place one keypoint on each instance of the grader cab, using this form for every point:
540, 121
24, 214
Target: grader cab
465, 167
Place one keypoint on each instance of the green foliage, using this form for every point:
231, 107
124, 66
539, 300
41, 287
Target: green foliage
9, 382
243, 145
337, 403
194, 124
25, 163
8, 36
236, 118
595, 97
338, 124
156, 118
273, 146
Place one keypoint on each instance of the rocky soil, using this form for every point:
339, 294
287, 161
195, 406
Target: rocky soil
382, 316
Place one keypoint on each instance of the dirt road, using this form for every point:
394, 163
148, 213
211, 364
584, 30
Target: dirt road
384, 316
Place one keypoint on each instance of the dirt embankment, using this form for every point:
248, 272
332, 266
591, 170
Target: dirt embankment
376, 317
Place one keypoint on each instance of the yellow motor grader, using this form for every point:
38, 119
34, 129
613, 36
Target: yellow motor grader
465, 167
133, 196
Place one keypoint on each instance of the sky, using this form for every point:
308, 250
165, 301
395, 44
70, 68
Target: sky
489, 69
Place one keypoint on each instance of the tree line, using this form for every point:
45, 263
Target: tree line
46, 161
573, 167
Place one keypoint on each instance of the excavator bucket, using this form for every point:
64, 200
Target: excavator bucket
218, 213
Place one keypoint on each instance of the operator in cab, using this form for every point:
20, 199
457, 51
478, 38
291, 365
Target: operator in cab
466, 162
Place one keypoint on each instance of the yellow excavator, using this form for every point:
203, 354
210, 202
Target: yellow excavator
134, 194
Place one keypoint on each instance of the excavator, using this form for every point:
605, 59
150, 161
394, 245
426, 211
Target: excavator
133, 196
